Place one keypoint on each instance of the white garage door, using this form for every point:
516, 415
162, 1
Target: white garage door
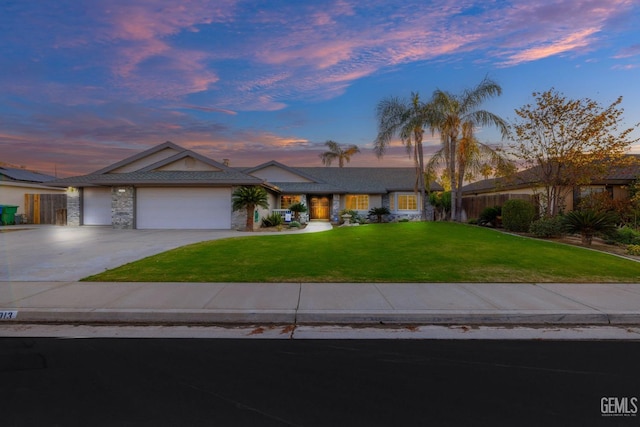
96, 206
186, 208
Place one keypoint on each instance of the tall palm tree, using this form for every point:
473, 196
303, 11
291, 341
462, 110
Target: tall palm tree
338, 152
407, 119
456, 117
248, 197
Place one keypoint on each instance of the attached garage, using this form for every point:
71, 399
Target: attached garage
96, 202
184, 208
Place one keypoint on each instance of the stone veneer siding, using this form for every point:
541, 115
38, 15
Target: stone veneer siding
73, 206
335, 209
123, 207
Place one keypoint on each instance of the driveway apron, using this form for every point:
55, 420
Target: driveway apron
55, 253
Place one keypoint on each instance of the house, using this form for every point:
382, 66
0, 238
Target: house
168, 186
526, 185
18, 186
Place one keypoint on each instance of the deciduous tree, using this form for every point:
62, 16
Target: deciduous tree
568, 143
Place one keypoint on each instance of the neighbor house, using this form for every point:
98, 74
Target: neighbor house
169, 187
21, 187
526, 185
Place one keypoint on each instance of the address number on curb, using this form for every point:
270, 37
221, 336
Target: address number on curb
8, 315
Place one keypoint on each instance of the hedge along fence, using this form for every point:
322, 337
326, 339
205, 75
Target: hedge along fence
474, 205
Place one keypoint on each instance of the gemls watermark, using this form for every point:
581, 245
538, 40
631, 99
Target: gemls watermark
619, 406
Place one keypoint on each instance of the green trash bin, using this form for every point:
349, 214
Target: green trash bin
8, 214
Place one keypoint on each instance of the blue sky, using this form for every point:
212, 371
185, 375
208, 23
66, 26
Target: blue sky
86, 83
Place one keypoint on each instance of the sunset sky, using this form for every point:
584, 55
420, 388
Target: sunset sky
85, 83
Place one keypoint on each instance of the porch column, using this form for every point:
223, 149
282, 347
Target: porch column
335, 208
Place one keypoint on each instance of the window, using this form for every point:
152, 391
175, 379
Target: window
357, 202
407, 202
286, 201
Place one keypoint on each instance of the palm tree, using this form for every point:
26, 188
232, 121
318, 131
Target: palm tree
406, 119
338, 152
248, 197
456, 117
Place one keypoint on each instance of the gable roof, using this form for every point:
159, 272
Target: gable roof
144, 169
23, 175
161, 166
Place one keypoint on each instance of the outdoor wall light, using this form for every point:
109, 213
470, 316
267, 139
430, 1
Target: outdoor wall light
121, 190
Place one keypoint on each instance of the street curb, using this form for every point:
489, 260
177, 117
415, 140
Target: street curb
327, 317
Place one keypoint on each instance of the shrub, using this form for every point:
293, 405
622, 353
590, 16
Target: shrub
273, 220
589, 223
355, 218
626, 235
633, 250
379, 212
547, 227
294, 224
489, 216
517, 215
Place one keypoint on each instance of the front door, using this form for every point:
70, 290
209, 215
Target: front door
320, 207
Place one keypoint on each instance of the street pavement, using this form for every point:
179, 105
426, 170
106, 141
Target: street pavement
39, 282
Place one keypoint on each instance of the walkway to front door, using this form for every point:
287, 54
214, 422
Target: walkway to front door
320, 207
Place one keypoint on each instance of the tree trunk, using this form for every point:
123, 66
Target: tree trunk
250, 210
421, 183
452, 178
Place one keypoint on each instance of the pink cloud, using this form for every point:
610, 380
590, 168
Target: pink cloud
571, 42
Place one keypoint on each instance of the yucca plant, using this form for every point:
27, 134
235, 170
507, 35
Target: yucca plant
589, 223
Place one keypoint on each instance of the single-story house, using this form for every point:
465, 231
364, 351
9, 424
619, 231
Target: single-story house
525, 184
169, 187
17, 183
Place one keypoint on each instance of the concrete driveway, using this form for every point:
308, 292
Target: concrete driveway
54, 253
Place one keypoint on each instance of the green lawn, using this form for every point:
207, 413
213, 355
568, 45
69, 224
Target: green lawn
400, 252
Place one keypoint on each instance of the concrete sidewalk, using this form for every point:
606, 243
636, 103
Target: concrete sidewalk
321, 303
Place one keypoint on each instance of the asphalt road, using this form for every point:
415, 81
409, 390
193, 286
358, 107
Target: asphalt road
200, 382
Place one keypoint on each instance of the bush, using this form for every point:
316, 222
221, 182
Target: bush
633, 250
626, 235
294, 224
272, 220
355, 218
489, 216
517, 215
547, 227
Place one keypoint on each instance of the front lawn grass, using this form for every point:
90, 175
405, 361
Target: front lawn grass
399, 252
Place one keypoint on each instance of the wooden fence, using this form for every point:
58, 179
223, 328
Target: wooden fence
474, 205
45, 208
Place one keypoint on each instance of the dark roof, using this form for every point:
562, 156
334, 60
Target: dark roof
526, 178
15, 174
226, 177
148, 175
324, 180
366, 180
